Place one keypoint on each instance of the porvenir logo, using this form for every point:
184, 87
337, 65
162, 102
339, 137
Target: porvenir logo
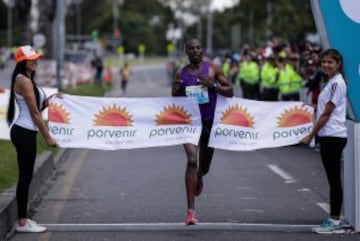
58, 114
113, 116
237, 115
294, 117
173, 115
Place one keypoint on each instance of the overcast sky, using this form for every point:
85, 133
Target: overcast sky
220, 5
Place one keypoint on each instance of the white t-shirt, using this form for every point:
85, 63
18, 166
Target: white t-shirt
24, 118
334, 91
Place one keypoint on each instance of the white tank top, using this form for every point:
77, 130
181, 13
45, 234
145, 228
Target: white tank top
24, 118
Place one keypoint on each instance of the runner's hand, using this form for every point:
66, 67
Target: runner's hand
177, 86
206, 81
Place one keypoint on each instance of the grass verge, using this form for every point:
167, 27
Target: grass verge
8, 163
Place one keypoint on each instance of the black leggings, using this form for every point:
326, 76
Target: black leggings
24, 141
331, 149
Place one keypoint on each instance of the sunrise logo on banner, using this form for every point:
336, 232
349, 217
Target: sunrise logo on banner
244, 125
59, 122
123, 123
237, 116
113, 116
173, 115
294, 117
175, 123
58, 114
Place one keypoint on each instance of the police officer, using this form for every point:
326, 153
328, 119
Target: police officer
290, 82
269, 74
248, 77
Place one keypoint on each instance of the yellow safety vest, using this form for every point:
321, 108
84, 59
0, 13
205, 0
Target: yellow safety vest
289, 80
226, 68
268, 76
249, 72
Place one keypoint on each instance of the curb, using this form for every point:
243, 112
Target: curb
45, 164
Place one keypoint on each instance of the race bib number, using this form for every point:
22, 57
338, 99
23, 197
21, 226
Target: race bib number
198, 92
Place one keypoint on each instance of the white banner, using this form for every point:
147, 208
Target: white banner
243, 125
4, 101
123, 123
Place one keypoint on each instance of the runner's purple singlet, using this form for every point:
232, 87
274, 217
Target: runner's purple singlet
190, 81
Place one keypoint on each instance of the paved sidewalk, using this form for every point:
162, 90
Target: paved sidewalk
45, 164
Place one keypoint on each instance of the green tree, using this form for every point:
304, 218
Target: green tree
47, 21
289, 19
23, 8
3, 24
145, 23
94, 13
137, 19
149, 19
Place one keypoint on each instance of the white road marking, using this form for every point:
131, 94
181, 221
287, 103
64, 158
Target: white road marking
305, 190
289, 179
324, 206
247, 198
277, 170
221, 226
251, 210
314, 198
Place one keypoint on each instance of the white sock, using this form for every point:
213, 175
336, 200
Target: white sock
335, 221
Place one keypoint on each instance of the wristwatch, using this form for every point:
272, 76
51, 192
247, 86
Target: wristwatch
214, 85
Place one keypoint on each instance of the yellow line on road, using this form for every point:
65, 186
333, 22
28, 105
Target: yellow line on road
65, 192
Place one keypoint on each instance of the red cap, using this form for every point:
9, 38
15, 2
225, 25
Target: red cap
26, 53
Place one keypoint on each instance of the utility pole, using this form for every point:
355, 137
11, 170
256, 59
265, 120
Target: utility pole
209, 40
116, 14
10, 5
60, 41
199, 27
115, 20
77, 4
269, 19
9, 34
251, 28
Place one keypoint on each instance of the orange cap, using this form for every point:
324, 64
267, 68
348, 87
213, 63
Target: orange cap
26, 53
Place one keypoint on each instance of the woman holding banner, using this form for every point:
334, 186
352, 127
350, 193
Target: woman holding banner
331, 129
202, 81
31, 100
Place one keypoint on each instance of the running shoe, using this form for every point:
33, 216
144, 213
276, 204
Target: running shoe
30, 227
190, 218
329, 227
31, 221
199, 186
